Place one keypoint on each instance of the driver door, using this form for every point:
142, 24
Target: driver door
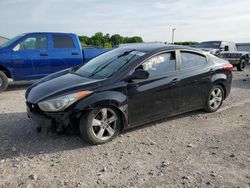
30, 58
153, 97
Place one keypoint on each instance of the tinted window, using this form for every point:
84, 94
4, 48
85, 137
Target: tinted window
189, 60
62, 41
36, 42
214, 45
160, 64
243, 47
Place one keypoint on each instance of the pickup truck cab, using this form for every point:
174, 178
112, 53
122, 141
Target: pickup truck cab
35, 55
228, 51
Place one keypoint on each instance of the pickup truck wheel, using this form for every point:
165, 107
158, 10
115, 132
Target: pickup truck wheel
215, 99
3, 81
100, 125
241, 66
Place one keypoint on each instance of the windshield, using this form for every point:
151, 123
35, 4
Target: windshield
105, 65
11, 41
215, 45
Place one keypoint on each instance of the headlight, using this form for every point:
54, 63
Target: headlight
61, 103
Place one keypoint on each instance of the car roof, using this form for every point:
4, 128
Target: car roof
217, 41
149, 47
46, 33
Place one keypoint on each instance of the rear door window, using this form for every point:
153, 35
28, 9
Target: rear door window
62, 41
191, 59
160, 64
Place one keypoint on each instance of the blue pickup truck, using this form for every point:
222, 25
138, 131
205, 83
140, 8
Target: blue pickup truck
32, 56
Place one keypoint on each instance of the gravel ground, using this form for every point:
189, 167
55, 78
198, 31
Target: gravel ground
191, 150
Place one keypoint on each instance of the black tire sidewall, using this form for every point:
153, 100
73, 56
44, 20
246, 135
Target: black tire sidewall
85, 126
5, 82
207, 106
241, 66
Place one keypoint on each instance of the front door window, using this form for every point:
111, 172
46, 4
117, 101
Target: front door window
38, 42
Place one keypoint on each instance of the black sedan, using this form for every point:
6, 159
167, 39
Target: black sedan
127, 87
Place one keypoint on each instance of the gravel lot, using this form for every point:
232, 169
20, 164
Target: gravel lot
191, 150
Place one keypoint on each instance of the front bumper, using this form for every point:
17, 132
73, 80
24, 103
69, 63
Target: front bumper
56, 120
41, 120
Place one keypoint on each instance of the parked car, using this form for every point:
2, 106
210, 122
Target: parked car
35, 55
226, 50
127, 87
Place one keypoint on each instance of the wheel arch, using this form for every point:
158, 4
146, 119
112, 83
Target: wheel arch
221, 80
224, 89
246, 57
6, 71
114, 99
221, 83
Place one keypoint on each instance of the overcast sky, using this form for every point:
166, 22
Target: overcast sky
195, 20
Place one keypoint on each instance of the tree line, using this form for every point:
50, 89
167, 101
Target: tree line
186, 43
107, 41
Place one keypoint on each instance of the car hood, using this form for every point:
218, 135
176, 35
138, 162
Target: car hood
59, 84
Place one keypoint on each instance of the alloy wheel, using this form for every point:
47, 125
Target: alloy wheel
104, 124
215, 98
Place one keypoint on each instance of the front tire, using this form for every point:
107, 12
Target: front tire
3, 81
241, 66
215, 99
100, 125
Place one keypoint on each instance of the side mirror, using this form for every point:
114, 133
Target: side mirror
139, 74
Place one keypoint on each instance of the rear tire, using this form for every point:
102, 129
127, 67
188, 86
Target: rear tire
241, 66
215, 99
3, 81
100, 125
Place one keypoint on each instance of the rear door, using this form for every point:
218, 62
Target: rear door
30, 57
65, 52
195, 80
155, 96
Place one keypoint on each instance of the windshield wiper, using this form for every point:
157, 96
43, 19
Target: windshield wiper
125, 53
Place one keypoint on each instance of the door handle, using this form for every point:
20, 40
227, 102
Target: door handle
175, 81
74, 53
43, 54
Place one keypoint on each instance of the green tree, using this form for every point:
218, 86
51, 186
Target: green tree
98, 39
136, 39
106, 38
107, 45
116, 39
186, 43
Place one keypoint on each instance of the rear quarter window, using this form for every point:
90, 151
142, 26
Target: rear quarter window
191, 59
62, 41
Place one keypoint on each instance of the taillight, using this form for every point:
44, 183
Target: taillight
228, 67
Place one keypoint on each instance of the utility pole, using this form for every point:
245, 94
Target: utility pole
173, 35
